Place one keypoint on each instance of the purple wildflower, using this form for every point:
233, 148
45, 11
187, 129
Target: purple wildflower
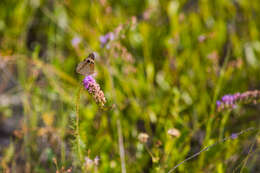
218, 103
75, 41
94, 89
231, 101
234, 136
104, 39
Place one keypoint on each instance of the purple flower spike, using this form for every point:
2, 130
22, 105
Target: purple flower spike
231, 101
94, 89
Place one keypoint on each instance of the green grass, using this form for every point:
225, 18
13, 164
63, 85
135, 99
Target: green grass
169, 63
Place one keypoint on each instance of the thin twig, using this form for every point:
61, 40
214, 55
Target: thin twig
233, 136
245, 159
250, 151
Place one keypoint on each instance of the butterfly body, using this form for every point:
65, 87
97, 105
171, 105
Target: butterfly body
87, 66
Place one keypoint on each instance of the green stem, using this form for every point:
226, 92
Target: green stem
77, 124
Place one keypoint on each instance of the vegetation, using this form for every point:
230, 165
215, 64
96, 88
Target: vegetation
162, 66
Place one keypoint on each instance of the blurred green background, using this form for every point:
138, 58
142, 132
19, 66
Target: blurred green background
165, 67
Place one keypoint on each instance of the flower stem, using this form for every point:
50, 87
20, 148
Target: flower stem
77, 124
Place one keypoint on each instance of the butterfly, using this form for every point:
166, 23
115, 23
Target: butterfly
86, 67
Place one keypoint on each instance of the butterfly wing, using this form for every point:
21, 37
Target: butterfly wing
91, 68
85, 68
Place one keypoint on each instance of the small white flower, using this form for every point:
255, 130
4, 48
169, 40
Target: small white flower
96, 160
174, 132
88, 162
143, 137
